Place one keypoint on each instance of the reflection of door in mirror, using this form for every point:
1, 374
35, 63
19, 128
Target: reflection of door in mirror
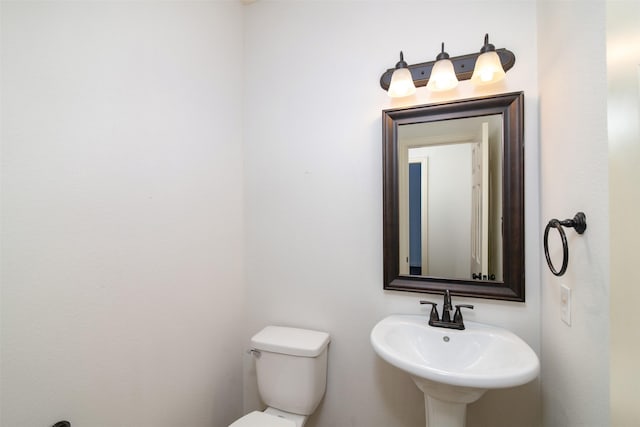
480, 206
415, 215
451, 198
418, 214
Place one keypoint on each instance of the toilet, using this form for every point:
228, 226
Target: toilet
291, 367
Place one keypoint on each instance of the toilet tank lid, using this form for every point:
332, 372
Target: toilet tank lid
291, 341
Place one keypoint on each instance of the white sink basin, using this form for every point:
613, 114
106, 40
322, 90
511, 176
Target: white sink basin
479, 356
454, 367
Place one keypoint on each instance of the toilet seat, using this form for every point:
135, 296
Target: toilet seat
261, 419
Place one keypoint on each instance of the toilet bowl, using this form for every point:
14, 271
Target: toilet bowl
291, 368
262, 419
271, 417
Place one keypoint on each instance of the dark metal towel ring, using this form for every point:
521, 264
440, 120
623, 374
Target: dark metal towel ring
579, 223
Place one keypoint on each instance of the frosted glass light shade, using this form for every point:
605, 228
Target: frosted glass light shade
488, 69
443, 77
401, 84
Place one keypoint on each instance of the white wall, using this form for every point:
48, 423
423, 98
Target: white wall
121, 213
623, 75
122, 198
574, 177
313, 173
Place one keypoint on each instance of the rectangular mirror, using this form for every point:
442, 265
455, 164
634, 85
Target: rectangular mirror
454, 197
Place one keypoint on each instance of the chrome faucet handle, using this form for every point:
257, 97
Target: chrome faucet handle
434, 311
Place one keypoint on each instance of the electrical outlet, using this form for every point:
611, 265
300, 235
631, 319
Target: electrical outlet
565, 304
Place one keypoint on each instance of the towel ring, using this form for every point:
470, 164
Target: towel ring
579, 223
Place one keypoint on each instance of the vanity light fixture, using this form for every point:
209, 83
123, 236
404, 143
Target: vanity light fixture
465, 67
442, 77
401, 81
488, 67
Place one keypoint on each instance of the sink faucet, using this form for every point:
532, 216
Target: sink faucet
445, 321
446, 310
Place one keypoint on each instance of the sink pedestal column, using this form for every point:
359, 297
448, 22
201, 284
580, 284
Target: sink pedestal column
444, 414
446, 405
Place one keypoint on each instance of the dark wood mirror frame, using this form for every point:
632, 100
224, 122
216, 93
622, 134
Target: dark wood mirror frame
511, 107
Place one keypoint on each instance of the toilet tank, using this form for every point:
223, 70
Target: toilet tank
291, 367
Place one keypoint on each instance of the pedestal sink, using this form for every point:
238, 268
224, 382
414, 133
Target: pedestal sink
453, 367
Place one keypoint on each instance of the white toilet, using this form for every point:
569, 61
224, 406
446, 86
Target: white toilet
291, 366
